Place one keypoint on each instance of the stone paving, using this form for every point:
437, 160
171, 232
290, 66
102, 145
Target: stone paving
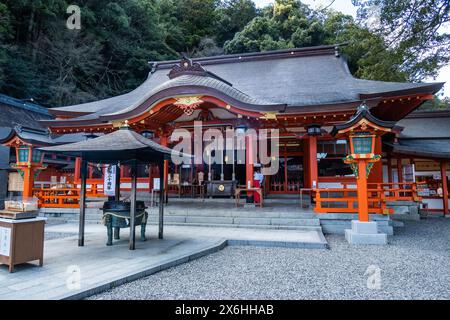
415, 265
100, 267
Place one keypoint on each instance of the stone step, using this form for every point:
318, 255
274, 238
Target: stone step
220, 225
76, 221
236, 213
237, 220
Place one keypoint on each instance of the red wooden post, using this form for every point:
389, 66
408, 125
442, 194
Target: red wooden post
444, 186
249, 161
313, 174
399, 170
286, 182
363, 201
28, 182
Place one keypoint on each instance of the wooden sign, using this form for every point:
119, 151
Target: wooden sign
110, 181
15, 182
429, 166
156, 184
5, 241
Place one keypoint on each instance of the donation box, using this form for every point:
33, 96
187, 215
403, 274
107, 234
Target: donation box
21, 241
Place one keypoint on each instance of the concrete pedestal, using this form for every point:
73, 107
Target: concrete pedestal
365, 233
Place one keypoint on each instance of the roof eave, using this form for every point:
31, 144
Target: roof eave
430, 88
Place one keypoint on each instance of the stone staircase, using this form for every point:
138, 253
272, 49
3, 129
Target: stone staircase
254, 219
277, 214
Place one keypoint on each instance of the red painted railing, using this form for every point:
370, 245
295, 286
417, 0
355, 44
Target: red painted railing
63, 197
345, 200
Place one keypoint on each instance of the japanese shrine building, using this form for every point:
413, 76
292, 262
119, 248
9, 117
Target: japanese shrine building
296, 91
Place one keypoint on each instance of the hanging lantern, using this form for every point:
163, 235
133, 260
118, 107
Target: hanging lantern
314, 130
37, 156
362, 143
26, 155
148, 134
23, 154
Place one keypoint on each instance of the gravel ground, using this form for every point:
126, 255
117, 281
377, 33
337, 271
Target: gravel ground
416, 265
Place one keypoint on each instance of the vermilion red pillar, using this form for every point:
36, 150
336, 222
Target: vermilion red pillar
313, 174
28, 182
444, 186
363, 201
400, 170
77, 170
249, 161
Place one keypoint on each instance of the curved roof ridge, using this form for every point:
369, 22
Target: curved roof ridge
238, 57
196, 81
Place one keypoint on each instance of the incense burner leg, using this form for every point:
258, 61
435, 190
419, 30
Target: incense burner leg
109, 230
116, 233
143, 226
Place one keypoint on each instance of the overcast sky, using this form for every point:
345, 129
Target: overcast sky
346, 7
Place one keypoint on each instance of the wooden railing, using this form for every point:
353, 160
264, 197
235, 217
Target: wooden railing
64, 197
404, 191
345, 200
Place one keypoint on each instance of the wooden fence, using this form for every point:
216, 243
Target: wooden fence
345, 200
63, 196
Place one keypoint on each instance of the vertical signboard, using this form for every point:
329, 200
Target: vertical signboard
409, 173
5, 241
109, 183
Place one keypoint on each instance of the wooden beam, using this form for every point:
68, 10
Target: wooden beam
84, 170
444, 186
133, 205
161, 165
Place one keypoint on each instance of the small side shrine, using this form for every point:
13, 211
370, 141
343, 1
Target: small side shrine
123, 146
29, 163
362, 131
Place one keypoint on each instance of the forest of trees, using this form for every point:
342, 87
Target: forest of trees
43, 60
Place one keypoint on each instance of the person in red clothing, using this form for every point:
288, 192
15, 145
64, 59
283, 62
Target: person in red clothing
258, 178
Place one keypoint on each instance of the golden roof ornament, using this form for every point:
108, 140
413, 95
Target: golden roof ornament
188, 104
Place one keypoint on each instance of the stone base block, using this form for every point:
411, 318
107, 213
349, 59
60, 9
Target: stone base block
364, 227
365, 233
365, 239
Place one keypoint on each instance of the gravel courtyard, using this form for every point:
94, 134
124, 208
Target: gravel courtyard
416, 265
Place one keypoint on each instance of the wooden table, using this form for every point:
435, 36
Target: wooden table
21, 241
192, 190
198, 189
238, 191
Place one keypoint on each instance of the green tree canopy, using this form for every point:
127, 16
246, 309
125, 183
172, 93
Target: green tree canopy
41, 59
414, 30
